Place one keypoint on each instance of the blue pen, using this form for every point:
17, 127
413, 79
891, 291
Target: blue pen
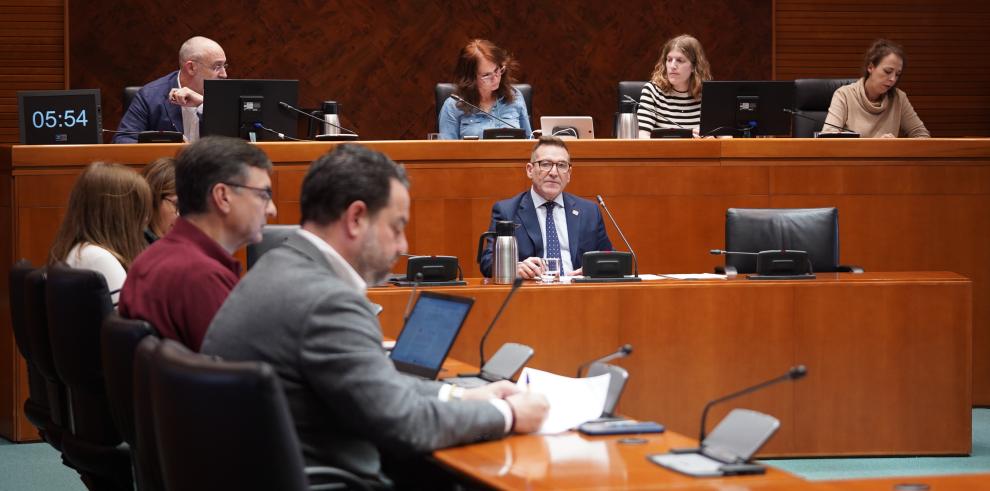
527, 381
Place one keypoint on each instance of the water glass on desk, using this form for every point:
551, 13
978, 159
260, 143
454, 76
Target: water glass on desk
550, 272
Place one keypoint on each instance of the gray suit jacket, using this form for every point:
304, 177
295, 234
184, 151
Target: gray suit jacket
347, 400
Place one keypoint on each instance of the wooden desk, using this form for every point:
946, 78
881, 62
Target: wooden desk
905, 205
886, 352
575, 461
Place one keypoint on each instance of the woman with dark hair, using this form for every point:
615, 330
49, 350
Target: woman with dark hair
672, 98
873, 106
160, 175
484, 76
108, 208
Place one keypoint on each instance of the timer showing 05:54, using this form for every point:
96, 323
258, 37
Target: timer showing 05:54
49, 119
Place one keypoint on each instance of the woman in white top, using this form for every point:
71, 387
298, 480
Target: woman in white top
672, 98
108, 210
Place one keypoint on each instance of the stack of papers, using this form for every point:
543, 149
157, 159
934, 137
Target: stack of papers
572, 400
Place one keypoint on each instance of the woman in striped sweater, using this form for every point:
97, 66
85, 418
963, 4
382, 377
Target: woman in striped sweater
672, 98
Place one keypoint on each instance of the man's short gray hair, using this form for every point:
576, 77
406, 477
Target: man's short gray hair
194, 48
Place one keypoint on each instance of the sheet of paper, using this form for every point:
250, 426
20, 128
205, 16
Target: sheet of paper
572, 400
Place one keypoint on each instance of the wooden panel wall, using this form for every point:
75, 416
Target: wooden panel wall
947, 76
382, 59
32, 54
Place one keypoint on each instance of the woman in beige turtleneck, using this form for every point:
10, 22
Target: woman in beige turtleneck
873, 106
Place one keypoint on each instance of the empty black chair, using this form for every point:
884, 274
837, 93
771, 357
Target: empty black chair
78, 301
144, 454
36, 406
226, 425
443, 90
627, 88
129, 93
813, 230
272, 236
616, 384
36, 327
119, 339
812, 97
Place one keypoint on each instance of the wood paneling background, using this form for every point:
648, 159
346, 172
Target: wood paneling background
947, 76
382, 59
32, 54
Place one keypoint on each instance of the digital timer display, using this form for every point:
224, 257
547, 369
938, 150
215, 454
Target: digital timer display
59, 116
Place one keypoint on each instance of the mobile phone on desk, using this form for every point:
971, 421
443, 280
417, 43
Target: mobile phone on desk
621, 427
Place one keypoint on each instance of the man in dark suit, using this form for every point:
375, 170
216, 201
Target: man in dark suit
174, 102
302, 308
575, 224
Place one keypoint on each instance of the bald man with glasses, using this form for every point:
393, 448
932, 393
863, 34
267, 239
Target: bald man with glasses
549, 222
175, 101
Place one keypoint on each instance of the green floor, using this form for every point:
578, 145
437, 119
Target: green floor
37, 467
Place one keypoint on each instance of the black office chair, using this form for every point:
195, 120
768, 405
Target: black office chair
36, 327
272, 236
813, 230
129, 93
626, 88
36, 406
78, 301
226, 425
812, 97
443, 90
144, 454
119, 339
616, 384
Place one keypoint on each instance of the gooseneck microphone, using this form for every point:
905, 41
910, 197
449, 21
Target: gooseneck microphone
720, 252
515, 286
796, 372
623, 351
623, 236
656, 112
822, 121
412, 296
461, 99
308, 115
281, 136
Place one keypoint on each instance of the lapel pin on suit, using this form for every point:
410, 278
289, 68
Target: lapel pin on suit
575, 212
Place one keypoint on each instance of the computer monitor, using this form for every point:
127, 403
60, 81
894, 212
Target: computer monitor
575, 127
746, 109
236, 108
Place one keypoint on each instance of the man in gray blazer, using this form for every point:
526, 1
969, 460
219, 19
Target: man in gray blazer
302, 308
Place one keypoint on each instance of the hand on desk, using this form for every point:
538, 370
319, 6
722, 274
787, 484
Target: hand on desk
185, 97
530, 268
529, 409
494, 390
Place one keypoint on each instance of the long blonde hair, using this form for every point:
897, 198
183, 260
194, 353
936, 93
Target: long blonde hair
109, 207
700, 69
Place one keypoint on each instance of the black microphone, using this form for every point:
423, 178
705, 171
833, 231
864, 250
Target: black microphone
461, 99
609, 213
281, 136
656, 112
308, 115
515, 286
412, 295
623, 351
822, 121
794, 373
720, 252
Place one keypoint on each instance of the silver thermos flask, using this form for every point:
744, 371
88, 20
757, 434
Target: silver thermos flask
331, 118
505, 254
628, 123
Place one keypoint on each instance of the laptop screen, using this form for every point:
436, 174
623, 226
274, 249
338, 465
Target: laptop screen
429, 333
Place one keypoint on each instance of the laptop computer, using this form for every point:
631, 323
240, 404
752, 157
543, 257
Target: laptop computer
426, 339
508, 360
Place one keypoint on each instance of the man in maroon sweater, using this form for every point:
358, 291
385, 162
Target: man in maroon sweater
225, 197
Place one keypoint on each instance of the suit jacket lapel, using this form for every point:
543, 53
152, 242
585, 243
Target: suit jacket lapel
306, 248
529, 221
174, 112
573, 226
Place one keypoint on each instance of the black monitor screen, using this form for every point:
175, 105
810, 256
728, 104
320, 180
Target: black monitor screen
49, 117
243, 108
752, 108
